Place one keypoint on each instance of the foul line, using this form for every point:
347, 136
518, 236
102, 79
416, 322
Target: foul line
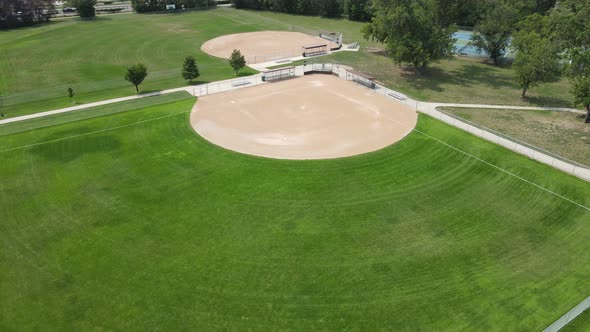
91, 133
505, 171
241, 22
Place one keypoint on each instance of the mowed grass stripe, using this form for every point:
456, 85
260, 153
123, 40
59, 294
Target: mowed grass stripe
150, 226
96, 73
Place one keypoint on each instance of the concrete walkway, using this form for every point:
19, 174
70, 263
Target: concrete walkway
89, 105
506, 107
195, 90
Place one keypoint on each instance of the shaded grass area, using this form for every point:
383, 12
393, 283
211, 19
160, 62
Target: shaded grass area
562, 133
461, 80
132, 221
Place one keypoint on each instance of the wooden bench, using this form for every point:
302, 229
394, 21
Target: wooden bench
397, 95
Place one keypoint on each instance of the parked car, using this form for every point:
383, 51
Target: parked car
69, 10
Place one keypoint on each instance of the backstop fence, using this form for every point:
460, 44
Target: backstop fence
278, 74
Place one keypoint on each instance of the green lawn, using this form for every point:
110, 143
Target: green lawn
131, 221
39, 63
562, 133
460, 80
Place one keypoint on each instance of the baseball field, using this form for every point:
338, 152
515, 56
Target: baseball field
128, 217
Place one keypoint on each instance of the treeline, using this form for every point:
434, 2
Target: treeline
18, 13
471, 12
144, 6
459, 12
548, 39
325, 8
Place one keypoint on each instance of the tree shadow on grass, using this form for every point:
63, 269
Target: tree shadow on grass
466, 75
547, 101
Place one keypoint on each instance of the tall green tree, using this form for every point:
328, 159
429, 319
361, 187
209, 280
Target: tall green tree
136, 74
536, 62
412, 31
571, 25
237, 61
85, 7
492, 34
17, 13
190, 70
358, 10
330, 8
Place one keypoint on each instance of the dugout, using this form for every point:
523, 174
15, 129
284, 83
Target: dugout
361, 78
278, 74
333, 37
318, 68
315, 49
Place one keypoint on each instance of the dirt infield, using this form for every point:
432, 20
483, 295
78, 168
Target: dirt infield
262, 46
312, 117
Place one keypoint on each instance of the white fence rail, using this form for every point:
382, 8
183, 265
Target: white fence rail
569, 316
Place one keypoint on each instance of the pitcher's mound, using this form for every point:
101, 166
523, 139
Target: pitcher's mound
313, 117
262, 46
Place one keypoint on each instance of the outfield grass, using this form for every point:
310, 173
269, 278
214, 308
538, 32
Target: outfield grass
39, 63
562, 133
132, 221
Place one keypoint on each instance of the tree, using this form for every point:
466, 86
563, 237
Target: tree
237, 61
570, 22
537, 60
412, 32
537, 55
85, 7
17, 13
330, 8
358, 10
136, 74
71, 93
581, 93
492, 34
190, 70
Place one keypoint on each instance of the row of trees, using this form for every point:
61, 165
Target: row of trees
85, 8
547, 41
326, 8
143, 6
136, 74
18, 13
459, 12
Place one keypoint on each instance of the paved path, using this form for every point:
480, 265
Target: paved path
506, 107
89, 105
195, 90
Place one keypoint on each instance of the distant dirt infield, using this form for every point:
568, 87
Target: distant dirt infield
262, 46
312, 117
